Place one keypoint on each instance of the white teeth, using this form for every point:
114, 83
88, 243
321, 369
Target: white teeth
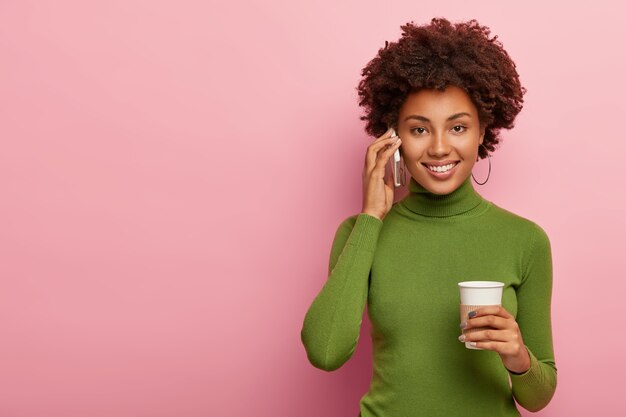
443, 168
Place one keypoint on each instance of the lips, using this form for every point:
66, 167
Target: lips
440, 163
445, 174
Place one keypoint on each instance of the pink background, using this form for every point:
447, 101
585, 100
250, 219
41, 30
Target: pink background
172, 174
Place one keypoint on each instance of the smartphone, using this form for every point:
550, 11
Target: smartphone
397, 165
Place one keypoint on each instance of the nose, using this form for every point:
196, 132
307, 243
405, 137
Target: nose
439, 145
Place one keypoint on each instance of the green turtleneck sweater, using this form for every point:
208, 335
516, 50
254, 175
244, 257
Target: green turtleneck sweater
406, 267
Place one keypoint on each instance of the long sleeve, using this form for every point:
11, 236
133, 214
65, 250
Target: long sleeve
331, 327
534, 388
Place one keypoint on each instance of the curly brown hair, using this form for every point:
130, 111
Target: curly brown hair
433, 56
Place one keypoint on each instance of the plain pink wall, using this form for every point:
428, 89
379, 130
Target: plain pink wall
172, 174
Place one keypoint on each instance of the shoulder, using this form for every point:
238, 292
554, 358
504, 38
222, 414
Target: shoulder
514, 224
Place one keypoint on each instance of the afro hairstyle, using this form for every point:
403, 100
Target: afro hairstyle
433, 56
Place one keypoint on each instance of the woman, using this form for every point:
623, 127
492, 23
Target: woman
447, 89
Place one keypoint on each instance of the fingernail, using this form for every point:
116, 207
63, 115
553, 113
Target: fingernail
471, 314
463, 325
462, 338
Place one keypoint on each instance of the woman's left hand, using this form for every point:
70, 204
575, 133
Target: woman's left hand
505, 337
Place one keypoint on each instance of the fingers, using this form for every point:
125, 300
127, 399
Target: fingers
504, 342
496, 322
488, 335
502, 348
378, 153
505, 349
503, 335
495, 310
380, 150
384, 142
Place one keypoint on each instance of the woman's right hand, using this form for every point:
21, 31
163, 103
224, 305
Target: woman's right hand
378, 192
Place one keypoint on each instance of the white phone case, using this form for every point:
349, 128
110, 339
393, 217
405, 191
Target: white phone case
397, 167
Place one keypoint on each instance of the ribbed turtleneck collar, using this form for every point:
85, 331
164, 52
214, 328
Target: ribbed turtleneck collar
421, 201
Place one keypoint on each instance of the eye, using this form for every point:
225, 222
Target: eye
416, 128
459, 126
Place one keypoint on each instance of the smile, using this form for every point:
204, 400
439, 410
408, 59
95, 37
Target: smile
442, 168
442, 172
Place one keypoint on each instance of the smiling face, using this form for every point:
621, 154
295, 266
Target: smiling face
439, 128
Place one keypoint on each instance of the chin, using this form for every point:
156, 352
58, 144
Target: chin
442, 187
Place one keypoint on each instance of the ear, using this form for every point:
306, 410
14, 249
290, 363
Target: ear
482, 135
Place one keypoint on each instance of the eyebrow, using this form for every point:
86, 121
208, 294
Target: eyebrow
425, 119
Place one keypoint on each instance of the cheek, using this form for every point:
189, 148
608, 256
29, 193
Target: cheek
411, 151
469, 165
469, 150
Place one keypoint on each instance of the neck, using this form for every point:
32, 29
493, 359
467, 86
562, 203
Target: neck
423, 202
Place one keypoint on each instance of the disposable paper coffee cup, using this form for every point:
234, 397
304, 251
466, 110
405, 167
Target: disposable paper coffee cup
476, 294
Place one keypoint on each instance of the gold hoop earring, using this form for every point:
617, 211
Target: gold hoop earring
489, 173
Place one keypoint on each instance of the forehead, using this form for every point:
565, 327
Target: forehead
436, 104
